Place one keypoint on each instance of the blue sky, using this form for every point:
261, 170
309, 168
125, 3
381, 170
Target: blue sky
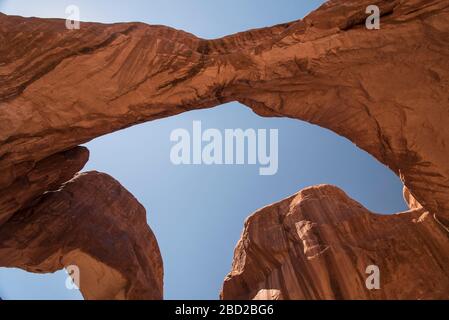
197, 212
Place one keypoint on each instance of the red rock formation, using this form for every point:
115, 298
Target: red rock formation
45, 175
91, 222
386, 90
318, 244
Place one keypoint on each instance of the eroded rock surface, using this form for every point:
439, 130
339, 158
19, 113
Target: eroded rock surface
91, 222
45, 175
318, 244
386, 90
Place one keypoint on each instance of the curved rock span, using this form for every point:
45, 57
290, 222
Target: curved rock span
386, 90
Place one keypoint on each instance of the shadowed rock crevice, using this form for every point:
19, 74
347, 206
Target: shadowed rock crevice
45, 175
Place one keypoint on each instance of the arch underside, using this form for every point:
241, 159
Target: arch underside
386, 90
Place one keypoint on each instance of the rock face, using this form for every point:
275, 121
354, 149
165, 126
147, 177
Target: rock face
386, 90
93, 223
45, 175
318, 244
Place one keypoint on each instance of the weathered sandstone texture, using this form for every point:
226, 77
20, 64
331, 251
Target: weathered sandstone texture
386, 90
45, 175
318, 244
91, 222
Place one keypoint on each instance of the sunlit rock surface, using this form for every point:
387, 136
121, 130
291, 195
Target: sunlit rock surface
386, 90
319, 243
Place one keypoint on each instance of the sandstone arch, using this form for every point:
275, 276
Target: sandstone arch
386, 90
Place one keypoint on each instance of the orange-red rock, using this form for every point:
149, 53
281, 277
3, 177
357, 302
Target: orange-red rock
45, 175
318, 244
91, 222
386, 90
